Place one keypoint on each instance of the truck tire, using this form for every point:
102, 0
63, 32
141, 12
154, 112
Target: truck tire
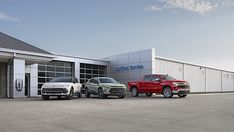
101, 94
167, 92
148, 94
71, 94
45, 97
87, 94
182, 95
134, 92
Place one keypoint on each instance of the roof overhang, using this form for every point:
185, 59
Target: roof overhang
29, 57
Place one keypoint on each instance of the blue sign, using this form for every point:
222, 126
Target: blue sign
128, 68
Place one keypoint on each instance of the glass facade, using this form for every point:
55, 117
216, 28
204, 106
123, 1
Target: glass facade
88, 71
47, 71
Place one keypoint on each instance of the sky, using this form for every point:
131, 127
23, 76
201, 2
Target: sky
196, 31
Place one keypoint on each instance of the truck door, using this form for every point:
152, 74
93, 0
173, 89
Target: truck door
146, 84
155, 85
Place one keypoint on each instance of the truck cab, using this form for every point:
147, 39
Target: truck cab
159, 84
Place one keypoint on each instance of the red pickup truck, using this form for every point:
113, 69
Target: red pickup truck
159, 84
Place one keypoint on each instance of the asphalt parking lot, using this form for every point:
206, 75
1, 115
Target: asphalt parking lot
196, 113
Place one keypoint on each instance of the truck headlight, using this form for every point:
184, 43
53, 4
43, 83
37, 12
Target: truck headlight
175, 84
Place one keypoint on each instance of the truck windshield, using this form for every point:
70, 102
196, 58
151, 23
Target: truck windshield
167, 77
107, 80
61, 79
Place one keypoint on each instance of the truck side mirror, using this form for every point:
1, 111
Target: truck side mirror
157, 80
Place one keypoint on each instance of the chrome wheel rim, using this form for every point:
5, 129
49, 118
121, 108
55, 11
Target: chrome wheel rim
134, 91
167, 92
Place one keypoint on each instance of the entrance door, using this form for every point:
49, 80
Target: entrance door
27, 84
3, 80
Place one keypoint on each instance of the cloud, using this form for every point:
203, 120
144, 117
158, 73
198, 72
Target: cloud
197, 6
6, 17
153, 8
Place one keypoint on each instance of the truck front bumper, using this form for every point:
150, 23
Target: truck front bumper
181, 91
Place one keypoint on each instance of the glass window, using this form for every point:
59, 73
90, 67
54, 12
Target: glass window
39, 92
68, 75
88, 71
68, 64
82, 81
107, 80
60, 63
82, 75
82, 70
42, 74
62, 79
68, 69
60, 75
50, 74
50, 68
41, 68
95, 72
51, 63
88, 76
59, 69
82, 65
89, 66
42, 80
167, 77
91, 81
155, 78
147, 78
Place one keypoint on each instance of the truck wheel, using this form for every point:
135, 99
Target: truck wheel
148, 94
70, 96
182, 95
167, 92
45, 97
87, 94
122, 96
79, 95
134, 92
101, 94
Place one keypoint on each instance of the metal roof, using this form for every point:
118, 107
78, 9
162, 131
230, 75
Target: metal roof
9, 42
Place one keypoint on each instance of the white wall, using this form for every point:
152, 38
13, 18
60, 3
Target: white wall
33, 80
213, 80
196, 76
227, 81
171, 68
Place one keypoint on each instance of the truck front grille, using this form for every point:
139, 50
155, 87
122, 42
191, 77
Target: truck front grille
183, 86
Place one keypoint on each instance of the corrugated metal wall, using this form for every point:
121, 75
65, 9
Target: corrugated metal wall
171, 68
201, 79
196, 76
227, 81
213, 80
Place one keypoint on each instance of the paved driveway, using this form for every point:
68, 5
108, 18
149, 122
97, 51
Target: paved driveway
196, 113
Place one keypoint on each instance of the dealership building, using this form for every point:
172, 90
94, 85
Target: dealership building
24, 68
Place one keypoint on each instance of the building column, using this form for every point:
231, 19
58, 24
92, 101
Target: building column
18, 78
